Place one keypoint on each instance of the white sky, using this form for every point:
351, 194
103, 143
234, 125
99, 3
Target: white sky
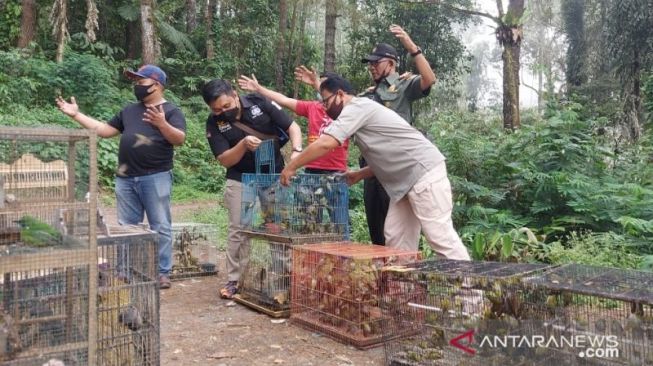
484, 33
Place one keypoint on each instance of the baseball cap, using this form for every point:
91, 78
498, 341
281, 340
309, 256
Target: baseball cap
380, 51
149, 72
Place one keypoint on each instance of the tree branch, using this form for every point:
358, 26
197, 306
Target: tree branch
500, 8
457, 9
530, 87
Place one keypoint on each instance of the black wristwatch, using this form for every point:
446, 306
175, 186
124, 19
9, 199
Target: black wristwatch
418, 52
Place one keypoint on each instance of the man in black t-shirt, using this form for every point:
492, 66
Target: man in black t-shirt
234, 147
149, 131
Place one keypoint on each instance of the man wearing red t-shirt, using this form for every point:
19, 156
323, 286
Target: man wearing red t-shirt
332, 163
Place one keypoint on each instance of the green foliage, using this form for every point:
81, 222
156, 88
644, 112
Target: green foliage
217, 216
10, 12
601, 249
517, 245
648, 95
359, 231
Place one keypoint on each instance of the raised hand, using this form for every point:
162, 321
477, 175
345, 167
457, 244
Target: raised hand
306, 76
70, 109
248, 84
403, 37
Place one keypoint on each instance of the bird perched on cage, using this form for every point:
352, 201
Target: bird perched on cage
9, 337
37, 233
131, 317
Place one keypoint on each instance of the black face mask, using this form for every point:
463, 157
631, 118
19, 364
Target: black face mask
140, 91
334, 110
229, 115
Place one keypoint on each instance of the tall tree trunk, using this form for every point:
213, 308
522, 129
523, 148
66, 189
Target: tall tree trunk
27, 23
148, 32
208, 19
191, 16
510, 57
91, 24
132, 39
59, 21
281, 44
299, 54
510, 34
330, 35
632, 101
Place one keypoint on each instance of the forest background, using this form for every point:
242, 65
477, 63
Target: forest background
568, 179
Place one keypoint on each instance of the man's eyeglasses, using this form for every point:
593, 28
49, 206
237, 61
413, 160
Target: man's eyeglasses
326, 101
376, 63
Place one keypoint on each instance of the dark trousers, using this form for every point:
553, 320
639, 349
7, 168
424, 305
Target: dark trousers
376, 208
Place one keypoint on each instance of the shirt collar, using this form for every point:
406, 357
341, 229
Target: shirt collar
392, 78
245, 102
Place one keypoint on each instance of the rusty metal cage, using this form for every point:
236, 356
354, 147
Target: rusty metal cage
48, 255
604, 304
128, 297
195, 250
312, 204
265, 282
444, 299
336, 290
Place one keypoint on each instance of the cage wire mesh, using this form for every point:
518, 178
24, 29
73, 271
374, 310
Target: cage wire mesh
128, 298
47, 246
440, 300
265, 282
312, 204
195, 249
597, 303
336, 289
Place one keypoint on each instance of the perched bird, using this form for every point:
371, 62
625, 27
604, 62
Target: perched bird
37, 233
131, 317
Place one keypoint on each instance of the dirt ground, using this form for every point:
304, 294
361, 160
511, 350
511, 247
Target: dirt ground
199, 328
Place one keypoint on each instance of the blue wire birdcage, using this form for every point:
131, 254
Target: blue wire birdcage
264, 156
312, 204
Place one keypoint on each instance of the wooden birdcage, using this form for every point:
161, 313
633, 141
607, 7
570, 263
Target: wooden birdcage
48, 255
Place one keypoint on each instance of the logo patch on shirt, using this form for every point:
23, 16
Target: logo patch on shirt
256, 111
223, 126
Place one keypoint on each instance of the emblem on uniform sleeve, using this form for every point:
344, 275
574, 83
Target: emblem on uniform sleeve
256, 111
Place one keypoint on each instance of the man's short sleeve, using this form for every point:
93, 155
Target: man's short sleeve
176, 118
277, 115
217, 142
414, 89
351, 119
302, 108
116, 122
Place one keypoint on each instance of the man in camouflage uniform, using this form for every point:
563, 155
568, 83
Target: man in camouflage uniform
397, 93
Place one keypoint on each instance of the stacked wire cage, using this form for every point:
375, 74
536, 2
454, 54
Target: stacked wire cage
611, 309
312, 209
195, 247
337, 290
128, 297
445, 300
48, 255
